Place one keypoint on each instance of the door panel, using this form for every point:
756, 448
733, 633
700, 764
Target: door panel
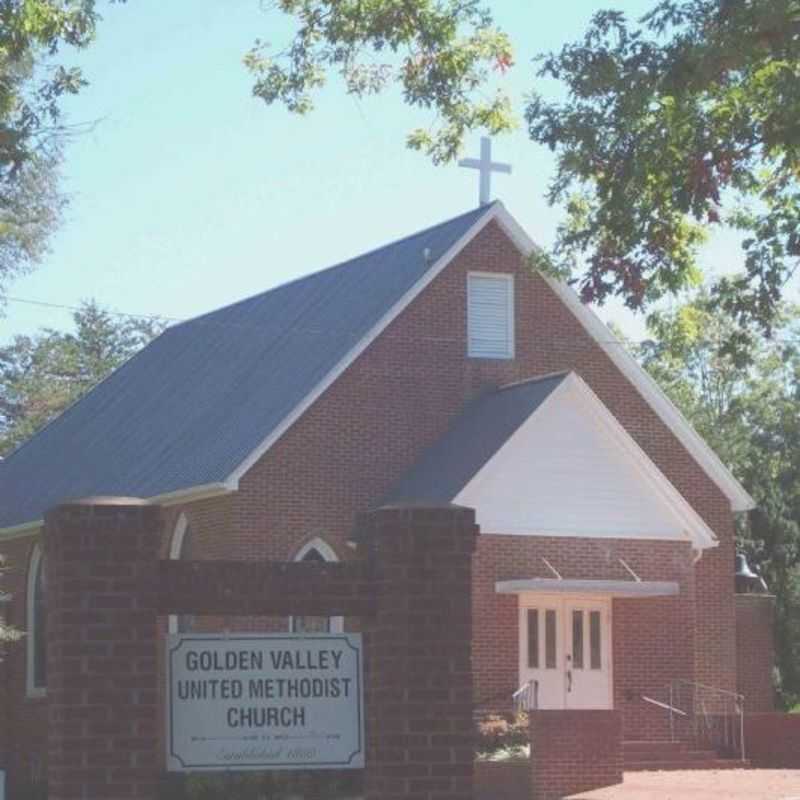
541, 653
565, 647
587, 655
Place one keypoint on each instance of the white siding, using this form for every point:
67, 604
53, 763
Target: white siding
564, 474
490, 315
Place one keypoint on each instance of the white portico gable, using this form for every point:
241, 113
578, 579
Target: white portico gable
571, 469
545, 457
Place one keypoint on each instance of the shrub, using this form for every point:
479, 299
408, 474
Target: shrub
502, 735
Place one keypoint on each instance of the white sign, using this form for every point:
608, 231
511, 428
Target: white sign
264, 702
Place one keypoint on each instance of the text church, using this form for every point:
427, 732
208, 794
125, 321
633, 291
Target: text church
437, 370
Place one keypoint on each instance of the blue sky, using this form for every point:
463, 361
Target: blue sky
188, 193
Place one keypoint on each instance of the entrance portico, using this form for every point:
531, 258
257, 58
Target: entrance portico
566, 634
573, 512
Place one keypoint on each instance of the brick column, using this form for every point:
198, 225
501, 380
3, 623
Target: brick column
100, 560
755, 650
420, 740
574, 751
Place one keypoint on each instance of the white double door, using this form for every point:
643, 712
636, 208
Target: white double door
565, 649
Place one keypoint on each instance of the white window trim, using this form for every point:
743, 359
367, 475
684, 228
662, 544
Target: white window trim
509, 279
329, 554
175, 548
34, 565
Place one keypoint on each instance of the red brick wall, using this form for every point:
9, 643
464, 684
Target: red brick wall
26, 717
4, 698
755, 650
503, 780
419, 725
574, 751
772, 741
101, 650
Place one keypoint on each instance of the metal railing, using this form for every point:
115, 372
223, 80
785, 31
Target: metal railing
526, 698
705, 715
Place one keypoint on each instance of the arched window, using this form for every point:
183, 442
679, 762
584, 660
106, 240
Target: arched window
316, 550
180, 547
36, 625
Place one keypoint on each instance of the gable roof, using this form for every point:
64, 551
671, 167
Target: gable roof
475, 436
228, 384
191, 407
546, 457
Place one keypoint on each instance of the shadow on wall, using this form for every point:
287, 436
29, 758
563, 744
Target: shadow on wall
316, 785
288, 785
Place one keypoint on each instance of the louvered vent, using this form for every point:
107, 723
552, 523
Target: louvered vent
490, 315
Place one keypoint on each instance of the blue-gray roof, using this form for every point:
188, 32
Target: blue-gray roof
194, 404
475, 435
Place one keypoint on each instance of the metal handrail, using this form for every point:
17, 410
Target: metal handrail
526, 698
709, 688
665, 706
711, 713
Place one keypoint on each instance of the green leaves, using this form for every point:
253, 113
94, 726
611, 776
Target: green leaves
441, 54
32, 84
41, 375
687, 121
746, 403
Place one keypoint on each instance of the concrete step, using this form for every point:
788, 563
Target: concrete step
684, 764
650, 744
641, 756
688, 755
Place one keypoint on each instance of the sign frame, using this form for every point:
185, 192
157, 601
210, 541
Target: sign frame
354, 641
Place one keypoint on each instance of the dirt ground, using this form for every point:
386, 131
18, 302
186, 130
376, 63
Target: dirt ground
734, 784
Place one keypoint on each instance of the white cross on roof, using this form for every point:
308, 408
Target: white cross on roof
486, 167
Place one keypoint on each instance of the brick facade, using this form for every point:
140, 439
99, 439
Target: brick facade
755, 650
773, 740
574, 751
340, 458
25, 716
503, 780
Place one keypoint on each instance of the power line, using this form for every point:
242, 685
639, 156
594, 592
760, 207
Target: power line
63, 307
323, 331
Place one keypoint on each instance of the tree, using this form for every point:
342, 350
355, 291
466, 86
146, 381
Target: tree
32, 86
441, 53
751, 416
688, 121
683, 122
42, 375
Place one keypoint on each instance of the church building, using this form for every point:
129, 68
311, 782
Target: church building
438, 369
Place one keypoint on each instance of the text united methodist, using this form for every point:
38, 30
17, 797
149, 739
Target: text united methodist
261, 687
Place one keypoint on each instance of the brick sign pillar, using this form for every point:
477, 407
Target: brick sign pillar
419, 725
574, 751
100, 561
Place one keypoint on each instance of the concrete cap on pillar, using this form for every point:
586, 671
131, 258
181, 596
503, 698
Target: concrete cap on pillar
106, 500
103, 506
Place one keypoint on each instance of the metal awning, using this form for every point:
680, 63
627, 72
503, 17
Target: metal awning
608, 588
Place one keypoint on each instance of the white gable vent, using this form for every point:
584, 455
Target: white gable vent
490, 315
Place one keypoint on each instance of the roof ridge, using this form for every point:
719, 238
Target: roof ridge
340, 264
535, 379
